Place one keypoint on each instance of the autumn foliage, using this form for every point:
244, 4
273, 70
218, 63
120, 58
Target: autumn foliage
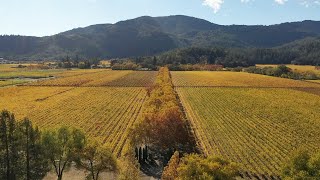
163, 123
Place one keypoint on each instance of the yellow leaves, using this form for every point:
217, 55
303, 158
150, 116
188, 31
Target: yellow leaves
163, 120
96, 78
256, 127
234, 79
103, 112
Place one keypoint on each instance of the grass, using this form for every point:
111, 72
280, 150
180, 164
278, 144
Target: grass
12, 82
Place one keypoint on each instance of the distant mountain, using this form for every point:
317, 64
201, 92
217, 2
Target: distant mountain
145, 36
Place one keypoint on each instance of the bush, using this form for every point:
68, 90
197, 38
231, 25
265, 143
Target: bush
302, 165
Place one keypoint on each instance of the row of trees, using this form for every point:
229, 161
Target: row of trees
283, 71
77, 62
27, 153
195, 67
163, 126
126, 65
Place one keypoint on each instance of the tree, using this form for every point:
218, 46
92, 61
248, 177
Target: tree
170, 172
10, 168
96, 159
61, 147
302, 165
196, 167
154, 61
129, 167
282, 69
35, 164
168, 129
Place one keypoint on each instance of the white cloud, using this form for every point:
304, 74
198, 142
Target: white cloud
307, 3
245, 1
214, 4
281, 1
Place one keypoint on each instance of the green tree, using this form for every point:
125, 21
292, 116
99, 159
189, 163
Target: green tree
196, 167
96, 159
35, 164
280, 70
10, 168
302, 166
61, 147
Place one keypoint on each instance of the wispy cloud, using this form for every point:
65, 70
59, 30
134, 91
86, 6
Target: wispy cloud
214, 4
308, 3
246, 1
281, 1
217, 4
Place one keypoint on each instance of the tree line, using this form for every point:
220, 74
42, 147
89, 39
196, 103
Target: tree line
282, 71
301, 53
162, 127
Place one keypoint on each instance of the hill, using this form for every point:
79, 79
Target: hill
146, 36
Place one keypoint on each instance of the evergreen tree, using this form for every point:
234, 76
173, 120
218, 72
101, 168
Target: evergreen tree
35, 164
10, 168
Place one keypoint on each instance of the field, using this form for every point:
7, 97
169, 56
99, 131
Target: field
10, 75
315, 81
254, 120
84, 100
251, 119
234, 79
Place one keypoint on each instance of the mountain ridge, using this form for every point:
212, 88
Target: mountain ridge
146, 35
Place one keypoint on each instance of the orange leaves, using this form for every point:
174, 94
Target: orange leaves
163, 123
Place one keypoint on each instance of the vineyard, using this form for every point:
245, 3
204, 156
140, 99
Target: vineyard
105, 113
99, 78
135, 79
250, 119
85, 99
234, 79
257, 128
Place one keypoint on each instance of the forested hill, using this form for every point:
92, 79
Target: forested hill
146, 36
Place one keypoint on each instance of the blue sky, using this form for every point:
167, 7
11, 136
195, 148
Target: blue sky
48, 17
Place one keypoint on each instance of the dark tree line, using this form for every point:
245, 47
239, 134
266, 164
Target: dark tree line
22, 155
306, 53
282, 71
77, 62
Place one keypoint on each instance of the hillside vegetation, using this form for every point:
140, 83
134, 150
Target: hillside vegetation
145, 36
